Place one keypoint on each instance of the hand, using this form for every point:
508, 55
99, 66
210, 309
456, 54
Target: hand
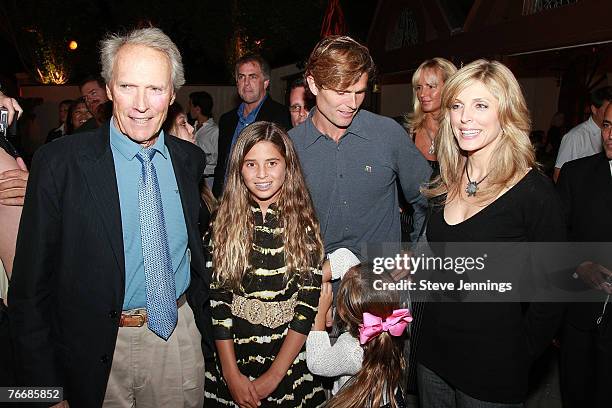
13, 184
242, 390
595, 276
326, 269
184, 131
399, 274
325, 301
63, 404
265, 385
11, 105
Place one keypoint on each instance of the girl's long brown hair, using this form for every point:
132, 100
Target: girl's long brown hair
383, 360
232, 231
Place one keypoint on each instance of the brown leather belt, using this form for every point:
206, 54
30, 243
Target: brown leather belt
138, 317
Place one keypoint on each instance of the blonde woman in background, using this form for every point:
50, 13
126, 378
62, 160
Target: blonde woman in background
423, 122
422, 126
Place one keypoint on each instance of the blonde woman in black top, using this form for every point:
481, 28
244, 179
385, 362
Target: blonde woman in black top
489, 190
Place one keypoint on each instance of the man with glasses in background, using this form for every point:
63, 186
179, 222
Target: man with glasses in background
300, 101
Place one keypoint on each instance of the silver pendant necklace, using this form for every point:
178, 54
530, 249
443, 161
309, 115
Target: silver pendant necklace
432, 147
472, 186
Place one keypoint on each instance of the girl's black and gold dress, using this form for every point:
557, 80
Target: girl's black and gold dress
270, 305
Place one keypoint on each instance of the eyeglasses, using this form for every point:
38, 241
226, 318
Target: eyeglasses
297, 108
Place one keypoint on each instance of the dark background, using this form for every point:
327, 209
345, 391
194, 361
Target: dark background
32, 31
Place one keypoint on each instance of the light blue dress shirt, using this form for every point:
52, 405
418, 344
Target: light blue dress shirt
244, 121
128, 169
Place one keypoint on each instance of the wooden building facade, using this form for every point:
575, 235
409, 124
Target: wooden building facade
560, 50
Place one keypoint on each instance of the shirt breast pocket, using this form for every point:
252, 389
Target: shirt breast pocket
373, 178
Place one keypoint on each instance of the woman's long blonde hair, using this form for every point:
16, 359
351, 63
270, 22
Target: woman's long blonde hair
232, 229
383, 361
513, 154
416, 119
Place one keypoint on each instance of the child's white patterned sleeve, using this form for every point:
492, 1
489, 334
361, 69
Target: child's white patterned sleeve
340, 261
343, 358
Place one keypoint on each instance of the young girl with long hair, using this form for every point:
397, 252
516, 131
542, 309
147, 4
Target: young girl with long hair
266, 278
368, 355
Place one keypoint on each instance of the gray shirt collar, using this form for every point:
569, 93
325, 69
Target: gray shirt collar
355, 128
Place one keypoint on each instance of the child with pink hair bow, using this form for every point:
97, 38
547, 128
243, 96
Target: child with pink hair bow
373, 325
367, 358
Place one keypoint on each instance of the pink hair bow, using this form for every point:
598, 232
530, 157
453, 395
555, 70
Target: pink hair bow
372, 325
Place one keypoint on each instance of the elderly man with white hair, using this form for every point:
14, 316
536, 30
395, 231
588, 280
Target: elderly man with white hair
108, 285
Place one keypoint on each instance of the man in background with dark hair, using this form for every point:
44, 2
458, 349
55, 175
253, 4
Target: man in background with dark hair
206, 131
93, 90
586, 346
63, 115
585, 139
252, 75
300, 101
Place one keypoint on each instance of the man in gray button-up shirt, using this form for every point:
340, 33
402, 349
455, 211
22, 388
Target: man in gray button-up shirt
351, 158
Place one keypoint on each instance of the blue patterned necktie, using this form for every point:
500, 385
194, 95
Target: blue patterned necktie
159, 276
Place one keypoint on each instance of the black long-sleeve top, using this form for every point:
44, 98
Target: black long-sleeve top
485, 349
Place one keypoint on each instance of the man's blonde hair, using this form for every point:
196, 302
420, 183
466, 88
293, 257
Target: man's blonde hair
337, 62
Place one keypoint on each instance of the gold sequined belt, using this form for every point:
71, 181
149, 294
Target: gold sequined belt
268, 314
